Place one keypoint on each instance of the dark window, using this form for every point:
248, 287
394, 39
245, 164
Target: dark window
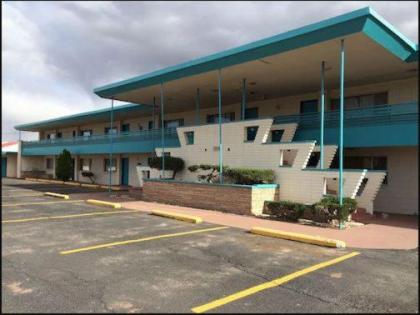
59, 134
174, 123
81, 164
151, 125
251, 113
48, 136
276, 135
106, 165
251, 133
74, 133
86, 133
109, 130
314, 159
125, 128
361, 101
49, 163
310, 106
189, 137
226, 117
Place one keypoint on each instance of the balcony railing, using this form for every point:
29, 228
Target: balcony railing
384, 114
136, 136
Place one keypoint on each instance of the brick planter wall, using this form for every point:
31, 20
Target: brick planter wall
238, 199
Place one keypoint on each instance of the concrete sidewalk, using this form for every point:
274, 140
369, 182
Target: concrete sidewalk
377, 234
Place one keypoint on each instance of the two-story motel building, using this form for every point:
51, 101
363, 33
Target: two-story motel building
279, 102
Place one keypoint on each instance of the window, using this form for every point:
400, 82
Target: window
251, 133
310, 106
174, 123
113, 166
86, 133
85, 165
74, 133
226, 117
59, 135
276, 135
189, 137
151, 125
125, 128
361, 101
314, 159
50, 163
48, 136
108, 130
251, 113
52, 136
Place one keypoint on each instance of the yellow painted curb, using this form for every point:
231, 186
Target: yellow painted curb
177, 216
32, 179
90, 185
104, 203
57, 195
316, 240
72, 183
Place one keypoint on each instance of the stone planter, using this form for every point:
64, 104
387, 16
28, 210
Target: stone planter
238, 199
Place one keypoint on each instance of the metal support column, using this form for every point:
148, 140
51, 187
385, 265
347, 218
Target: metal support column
340, 185
163, 131
322, 115
243, 99
220, 126
197, 110
110, 146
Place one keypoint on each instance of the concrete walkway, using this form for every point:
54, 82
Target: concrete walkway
391, 233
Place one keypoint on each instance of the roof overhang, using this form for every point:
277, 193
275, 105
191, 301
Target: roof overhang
284, 64
101, 115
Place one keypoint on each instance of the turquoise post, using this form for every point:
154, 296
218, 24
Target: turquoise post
243, 98
163, 131
197, 104
340, 187
322, 115
110, 145
220, 128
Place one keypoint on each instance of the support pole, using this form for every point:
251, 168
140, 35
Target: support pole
163, 131
220, 127
153, 114
322, 114
197, 104
110, 146
340, 188
243, 99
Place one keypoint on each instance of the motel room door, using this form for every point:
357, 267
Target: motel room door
124, 171
3, 166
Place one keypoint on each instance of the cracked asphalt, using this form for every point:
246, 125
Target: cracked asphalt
176, 274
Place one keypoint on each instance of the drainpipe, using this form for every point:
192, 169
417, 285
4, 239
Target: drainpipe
322, 115
341, 125
220, 126
163, 131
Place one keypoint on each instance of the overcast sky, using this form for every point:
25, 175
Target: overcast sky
56, 53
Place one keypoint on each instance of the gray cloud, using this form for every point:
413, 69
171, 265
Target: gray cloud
55, 53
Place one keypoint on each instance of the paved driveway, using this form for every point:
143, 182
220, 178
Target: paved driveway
68, 256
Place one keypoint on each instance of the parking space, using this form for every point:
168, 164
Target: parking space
86, 258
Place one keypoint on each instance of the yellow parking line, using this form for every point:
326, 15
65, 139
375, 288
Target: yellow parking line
83, 249
271, 284
17, 195
69, 216
38, 203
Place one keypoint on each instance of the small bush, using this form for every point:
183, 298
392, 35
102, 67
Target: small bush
249, 176
284, 210
210, 177
328, 209
64, 167
172, 163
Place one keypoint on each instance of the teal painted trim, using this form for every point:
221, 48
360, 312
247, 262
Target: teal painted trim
341, 143
335, 27
220, 126
322, 114
414, 57
211, 184
163, 130
336, 170
291, 142
85, 116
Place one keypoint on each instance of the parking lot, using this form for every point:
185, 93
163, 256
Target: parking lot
69, 256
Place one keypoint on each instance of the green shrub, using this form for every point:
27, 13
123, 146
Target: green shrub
328, 209
212, 175
172, 163
249, 176
64, 166
284, 210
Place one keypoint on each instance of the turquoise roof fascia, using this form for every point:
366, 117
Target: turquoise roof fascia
85, 115
362, 20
